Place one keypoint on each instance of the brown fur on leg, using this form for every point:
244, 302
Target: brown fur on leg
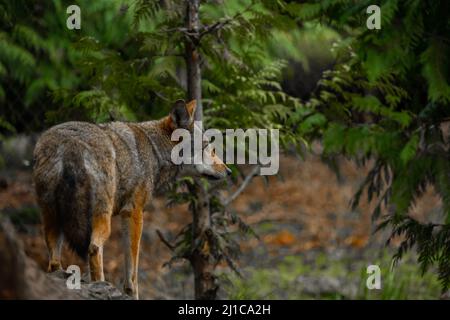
101, 229
53, 239
132, 222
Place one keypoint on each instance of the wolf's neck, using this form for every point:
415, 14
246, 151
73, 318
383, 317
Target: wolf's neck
159, 139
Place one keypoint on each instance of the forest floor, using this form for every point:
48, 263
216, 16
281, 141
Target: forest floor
311, 244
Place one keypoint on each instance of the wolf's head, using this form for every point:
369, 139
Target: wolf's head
210, 165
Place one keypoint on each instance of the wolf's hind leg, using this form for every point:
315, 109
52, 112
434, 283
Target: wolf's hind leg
101, 229
132, 221
54, 241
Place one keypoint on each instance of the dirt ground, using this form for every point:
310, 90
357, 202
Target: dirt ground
307, 234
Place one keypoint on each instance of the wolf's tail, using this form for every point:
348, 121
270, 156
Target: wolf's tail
74, 203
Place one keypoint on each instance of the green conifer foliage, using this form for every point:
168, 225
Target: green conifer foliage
388, 99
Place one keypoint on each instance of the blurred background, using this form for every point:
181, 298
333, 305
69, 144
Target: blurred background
310, 243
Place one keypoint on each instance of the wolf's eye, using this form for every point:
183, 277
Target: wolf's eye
213, 151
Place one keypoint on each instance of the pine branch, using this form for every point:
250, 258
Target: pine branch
197, 34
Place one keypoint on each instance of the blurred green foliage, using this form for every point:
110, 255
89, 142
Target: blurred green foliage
37, 56
387, 99
322, 277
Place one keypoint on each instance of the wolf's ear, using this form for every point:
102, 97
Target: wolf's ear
181, 116
191, 106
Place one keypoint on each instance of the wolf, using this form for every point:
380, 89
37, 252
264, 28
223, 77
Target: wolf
85, 173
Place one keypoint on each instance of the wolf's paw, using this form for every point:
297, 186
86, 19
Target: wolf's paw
54, 266
132, 292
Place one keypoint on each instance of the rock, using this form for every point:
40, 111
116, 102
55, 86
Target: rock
21, 277
102, 290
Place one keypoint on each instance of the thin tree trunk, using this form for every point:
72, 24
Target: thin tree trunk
194, 77
205, 284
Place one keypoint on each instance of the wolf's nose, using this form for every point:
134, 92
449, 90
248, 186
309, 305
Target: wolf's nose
229, 171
